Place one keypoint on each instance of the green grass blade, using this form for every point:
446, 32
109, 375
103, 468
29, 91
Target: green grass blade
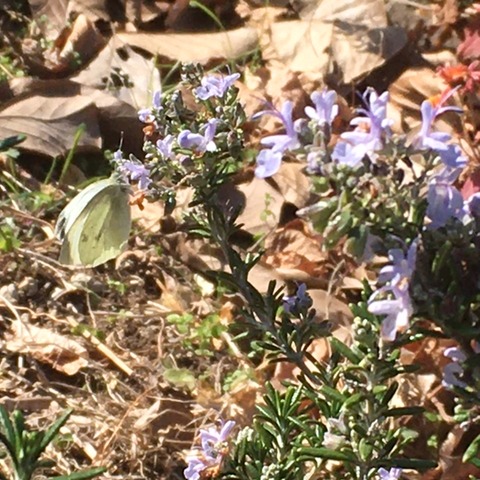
53, 430
207, 11
7, 427
78, 134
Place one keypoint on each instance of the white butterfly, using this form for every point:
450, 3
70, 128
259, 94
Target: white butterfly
94, 227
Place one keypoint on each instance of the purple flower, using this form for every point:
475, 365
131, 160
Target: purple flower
212, 439
165, 147
354, 146
198, 142
314, 165
268, 163
392, 474
288, 140
451, 155
213, 442
325, 109
397, 310
397, 277
215, 86
444, 202
146, 115
367, 138
473, 205
299, 302
402, 266
375, 112
426, 139
453, 371
431, 109
137, 172
195, 466
118, 156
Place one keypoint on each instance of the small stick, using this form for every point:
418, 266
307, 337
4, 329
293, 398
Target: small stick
101, 347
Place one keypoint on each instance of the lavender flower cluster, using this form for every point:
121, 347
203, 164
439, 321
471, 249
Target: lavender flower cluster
366, 139
180, 147
371, 134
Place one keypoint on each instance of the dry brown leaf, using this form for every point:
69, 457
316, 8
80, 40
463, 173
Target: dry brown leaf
451, 453
146, 415
61, 353
51, 119
352, 11
302, 45
295, 250
93, 9
357, 50
29, 404
318, 48
346, 38
261, 202
149, 11
77, 45
334, 310
293, 184
250, 91
55, 13
74, 46
117, 117
243, 398
261, 275
50, 113
117, 62
148, 218
171, 424
194, 47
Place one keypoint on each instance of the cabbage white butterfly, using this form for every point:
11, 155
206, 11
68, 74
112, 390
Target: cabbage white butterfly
95, 225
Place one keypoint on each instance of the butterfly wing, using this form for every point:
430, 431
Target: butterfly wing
95, 225
105, 231
69, 215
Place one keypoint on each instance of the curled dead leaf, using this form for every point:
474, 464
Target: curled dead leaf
194, 47
61, 353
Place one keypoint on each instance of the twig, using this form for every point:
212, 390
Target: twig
101, 347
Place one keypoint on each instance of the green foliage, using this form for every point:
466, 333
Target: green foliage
340, 420
270, 447
9, 67
384, 198
197, 335
180, 377
352, 393
345, 417
119, 287
25, 447
95, 332
8, 236
267, 212
238, 377
8, 143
